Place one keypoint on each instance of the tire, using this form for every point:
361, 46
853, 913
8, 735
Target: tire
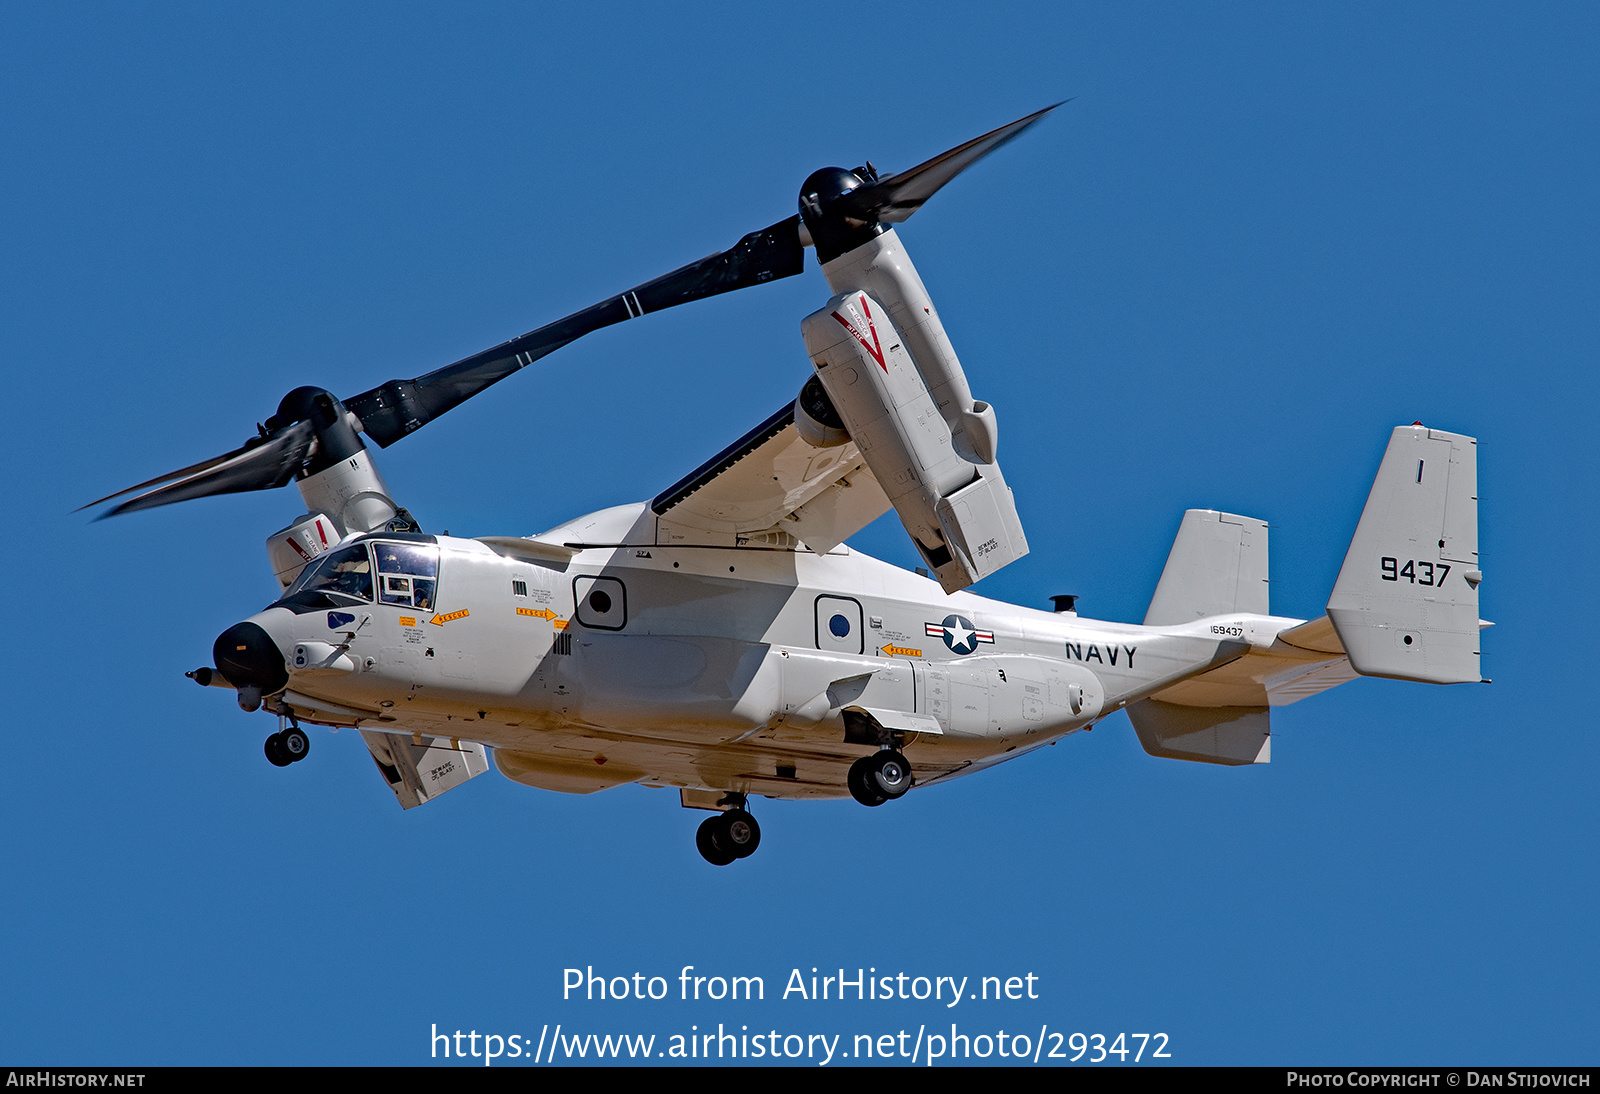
889, 774
738, 833
861, 788
709, 849
294, 743
275, 753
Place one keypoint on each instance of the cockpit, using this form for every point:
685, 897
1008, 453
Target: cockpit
402, 574
346, 572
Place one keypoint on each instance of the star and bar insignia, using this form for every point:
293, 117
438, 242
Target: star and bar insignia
959, 634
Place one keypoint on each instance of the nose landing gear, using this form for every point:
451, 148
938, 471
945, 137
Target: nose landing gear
288, 745
730, 835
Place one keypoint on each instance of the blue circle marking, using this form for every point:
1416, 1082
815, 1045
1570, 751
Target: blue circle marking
959, 634
839, 625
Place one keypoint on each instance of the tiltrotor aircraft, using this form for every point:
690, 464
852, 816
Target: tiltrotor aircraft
721, 638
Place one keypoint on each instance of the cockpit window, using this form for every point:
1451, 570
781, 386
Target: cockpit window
348, 571
408, 574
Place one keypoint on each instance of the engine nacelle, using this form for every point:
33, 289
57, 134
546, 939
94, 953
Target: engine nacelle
881, 268
958, 511
295, 547
352, 493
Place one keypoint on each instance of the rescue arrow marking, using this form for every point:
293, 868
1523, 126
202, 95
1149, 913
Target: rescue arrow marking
441, 620
894, 650
538, 613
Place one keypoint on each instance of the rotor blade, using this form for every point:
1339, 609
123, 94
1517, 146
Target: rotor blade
893, 199
178, 474
255, 467
400, 407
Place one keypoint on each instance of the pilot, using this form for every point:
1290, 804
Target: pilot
422, 595
351, 576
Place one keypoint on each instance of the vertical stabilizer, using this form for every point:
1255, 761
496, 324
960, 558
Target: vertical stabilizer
1218, 564
1234, 736
1406, 602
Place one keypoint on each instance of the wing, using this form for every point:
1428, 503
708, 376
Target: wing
771, 481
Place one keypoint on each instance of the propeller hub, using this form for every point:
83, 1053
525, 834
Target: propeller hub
336, 438
834, 230
307, 404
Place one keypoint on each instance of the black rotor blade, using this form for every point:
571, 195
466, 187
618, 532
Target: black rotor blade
893, 199
178, 474
262, 466
400, 407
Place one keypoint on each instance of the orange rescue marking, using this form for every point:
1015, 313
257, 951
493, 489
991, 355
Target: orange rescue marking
538, 613
441, 620
560, 624
408, 621
892, 651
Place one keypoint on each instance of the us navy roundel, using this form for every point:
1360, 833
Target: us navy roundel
959, 634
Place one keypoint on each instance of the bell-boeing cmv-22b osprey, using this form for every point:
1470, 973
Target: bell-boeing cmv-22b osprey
721, 638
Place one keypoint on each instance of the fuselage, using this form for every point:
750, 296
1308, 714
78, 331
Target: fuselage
745, 669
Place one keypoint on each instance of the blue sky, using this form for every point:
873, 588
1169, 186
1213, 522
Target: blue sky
1257, 239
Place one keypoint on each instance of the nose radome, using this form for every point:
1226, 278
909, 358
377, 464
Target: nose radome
249, 658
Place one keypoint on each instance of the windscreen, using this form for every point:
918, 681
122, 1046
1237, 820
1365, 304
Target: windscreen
347, 571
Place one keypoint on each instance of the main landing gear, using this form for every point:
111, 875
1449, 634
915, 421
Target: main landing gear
289, 745
729, 835
881, 777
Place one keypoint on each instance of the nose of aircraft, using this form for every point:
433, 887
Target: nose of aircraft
251, 661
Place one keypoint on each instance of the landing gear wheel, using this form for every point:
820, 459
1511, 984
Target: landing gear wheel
705, 840
861, 788
275, 752
738, 832
889, 774
294, 743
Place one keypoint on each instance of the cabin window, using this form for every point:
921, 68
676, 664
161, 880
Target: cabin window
408, 574
601, 602
839, 627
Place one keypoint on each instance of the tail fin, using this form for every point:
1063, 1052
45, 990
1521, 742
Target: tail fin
1218, 564
1406, 602
1213, 735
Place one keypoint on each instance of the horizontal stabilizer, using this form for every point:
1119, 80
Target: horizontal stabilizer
1317, 636
1217, 735
1218, 564
1406, 602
